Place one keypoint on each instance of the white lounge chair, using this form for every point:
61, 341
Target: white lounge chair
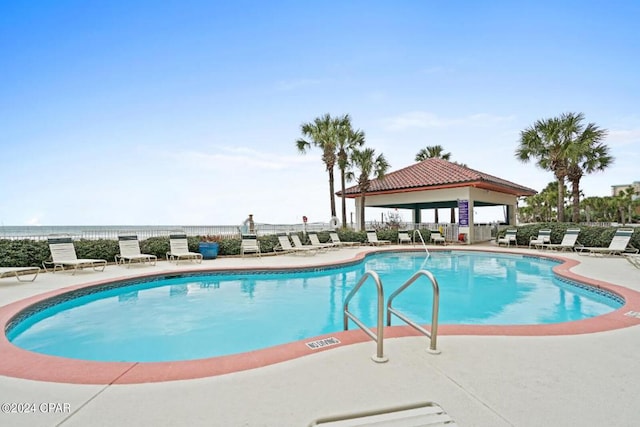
436, 238
509, 238
544, 237
63, 254
335, 239
569, 241
179, 249
372, 238
130, 252
18, 272
297, 243
315, 241
403, 237
619, 244
285, 246
250, 245
634, 259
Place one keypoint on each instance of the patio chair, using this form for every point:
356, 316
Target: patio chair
509, 238
569, 241
435, 238
403, 237
284, 245
63, 254
179, 249
18, 272
249, 245
130, 252
634, 259
297, 243
619, 244
372, 239
544, 237
315, 241
335, 239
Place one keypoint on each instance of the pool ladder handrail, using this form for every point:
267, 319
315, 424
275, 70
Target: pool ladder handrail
378, 337
424, 245
433, 335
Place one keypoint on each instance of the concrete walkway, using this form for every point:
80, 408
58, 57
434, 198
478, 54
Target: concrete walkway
576, 380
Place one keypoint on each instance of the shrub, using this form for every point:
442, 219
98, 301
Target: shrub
29, 253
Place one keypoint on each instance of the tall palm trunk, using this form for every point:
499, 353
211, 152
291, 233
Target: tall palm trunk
332, 193
362, 225
343, 183
561, 191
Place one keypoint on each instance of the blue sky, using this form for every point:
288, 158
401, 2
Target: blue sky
187, 112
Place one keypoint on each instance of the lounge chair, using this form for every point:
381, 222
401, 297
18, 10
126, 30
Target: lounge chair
335, 239
403, 237
18, 272
285, 246
180, 249
250, 245
372, 239
634, 259
569, 241
435, 238
297, 243
544, 237
619, 244
509, 238
130, 252
63, 254
315, 241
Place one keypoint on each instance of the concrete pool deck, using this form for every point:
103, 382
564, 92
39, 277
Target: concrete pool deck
591, 379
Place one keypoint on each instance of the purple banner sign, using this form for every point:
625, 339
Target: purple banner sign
463, 212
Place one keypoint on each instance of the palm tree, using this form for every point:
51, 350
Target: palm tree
549, 141
436, 152
367, 164
587, 154
322, 133
348, 140
431, 152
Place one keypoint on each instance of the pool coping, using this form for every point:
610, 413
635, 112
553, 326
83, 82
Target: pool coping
24, 364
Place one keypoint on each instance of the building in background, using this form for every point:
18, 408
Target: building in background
617, 189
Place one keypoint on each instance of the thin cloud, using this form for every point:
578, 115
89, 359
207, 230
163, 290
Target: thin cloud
426, 120
287, 85
235, 158
622, 137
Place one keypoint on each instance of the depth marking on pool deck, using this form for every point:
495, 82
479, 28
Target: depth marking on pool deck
314, 345
635, 314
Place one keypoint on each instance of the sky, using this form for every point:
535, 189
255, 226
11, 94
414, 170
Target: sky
187, 112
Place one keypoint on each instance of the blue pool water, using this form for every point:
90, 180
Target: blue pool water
193, 317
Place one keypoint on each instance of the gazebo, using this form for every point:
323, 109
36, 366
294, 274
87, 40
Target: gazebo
436, 183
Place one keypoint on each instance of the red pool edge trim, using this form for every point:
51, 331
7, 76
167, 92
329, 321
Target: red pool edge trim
19, 363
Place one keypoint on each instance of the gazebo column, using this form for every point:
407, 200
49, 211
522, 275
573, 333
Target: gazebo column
511, 214
471, 236
417, 215
359, 206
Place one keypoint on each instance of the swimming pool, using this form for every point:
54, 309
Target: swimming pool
192, 317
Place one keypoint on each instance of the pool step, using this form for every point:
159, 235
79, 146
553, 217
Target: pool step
426, 414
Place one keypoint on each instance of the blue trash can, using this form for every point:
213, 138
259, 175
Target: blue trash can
209, 250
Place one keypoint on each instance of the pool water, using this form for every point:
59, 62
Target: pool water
194, 317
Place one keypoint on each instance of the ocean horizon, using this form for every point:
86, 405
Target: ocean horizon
92, 232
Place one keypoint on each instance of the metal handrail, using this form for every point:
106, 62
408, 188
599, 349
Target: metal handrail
433, 335
379, 357
424, 245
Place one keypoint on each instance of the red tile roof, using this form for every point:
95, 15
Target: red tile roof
438, 173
